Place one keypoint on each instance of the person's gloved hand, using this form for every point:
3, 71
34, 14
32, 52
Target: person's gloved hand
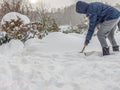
86, 42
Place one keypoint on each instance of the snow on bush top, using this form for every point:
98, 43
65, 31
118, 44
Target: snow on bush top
14, 15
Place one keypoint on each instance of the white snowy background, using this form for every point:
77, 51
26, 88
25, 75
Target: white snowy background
54, 63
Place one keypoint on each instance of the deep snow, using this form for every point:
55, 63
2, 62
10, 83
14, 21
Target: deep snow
54, 63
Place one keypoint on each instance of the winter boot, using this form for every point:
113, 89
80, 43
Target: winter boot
115, 48
106, 51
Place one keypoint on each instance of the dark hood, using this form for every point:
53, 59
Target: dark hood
81, 7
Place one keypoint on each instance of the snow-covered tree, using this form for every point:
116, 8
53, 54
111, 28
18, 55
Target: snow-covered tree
47, 20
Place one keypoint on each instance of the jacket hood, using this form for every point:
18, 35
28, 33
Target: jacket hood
81, 7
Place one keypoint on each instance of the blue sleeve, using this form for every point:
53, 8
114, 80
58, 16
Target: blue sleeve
92, 25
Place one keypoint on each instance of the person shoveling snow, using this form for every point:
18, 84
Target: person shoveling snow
105, 18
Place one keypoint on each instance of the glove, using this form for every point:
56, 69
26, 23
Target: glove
86, 42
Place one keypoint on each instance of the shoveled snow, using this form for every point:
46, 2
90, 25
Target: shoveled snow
55, 63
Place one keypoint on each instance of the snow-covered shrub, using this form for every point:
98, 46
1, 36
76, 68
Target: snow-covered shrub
18, 26
14, 23
73, 29
4, 38
53, 27
65, 28
36, 30
14, 16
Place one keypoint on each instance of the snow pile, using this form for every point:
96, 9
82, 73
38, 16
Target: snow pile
55, 63
15, 15
11, 48
60, 42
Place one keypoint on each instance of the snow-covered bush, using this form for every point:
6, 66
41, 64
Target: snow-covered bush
14, 23
73, 29
65, 28
18, 26
15, 16
4, 38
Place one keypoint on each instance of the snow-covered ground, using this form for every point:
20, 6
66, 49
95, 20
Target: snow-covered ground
55, 63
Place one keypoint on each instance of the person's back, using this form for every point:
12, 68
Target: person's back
102, 11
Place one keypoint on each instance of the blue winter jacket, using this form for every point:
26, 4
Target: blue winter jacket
97, 13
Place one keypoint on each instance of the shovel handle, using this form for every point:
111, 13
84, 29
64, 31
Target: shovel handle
83, 49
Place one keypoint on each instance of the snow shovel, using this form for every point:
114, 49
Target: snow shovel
86, 53
83, 49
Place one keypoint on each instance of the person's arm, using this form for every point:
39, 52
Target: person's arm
92, 25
